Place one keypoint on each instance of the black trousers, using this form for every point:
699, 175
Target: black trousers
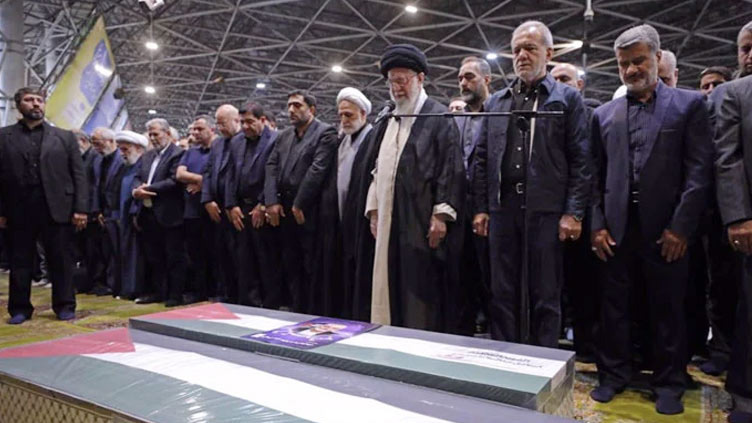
200, 237
225, 272
164, 254
472, 294
296, 244
726, 273
258, 264
739, 378
666, 286
544, 274
34, 222
89, 252
581, 269
111, 254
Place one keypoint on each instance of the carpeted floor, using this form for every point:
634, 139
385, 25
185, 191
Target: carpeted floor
702, 405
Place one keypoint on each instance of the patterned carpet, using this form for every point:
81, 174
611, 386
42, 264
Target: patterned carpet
705, 404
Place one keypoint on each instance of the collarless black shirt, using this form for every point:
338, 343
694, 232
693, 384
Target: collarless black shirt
523, 98
31, 143
638, 126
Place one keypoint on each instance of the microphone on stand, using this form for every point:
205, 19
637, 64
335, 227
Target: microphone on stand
386, 112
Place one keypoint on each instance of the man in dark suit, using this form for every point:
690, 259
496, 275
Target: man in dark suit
655, 159
159, 215
471, 300
256, 254
108, 210
733, 145
89, 240
43, 194
295, 173
213, 197
536, 186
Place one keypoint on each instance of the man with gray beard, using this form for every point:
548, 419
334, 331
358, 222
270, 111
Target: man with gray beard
131, 146
654, 150
416, 195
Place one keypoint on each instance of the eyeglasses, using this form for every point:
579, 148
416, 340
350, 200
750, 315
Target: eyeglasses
401, 81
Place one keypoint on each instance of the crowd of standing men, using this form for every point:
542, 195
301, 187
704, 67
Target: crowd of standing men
637, 210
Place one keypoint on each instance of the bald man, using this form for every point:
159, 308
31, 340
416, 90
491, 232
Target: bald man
667, 70
213, 196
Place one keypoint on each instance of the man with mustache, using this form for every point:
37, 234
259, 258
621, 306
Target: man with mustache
43, 195
415, 196
651, 184
536, 181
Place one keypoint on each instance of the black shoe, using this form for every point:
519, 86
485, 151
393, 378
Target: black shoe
172, 303
18, 319
101, 291
66, 315
668, 404
604, 393
739, 417
148, 299
193, 298
585, 358
714, 367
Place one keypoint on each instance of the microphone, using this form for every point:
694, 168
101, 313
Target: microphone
389, 107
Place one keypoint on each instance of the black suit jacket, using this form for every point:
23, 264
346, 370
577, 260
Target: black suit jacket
733, 145
297, 176
216, 170
168, 203
109, 181
559, 172
62, 174
675, 179
254, 173
92, 163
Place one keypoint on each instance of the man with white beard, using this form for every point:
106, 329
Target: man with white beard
353, 108
131, 145
413, 200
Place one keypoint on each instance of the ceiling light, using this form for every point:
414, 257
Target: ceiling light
580, 73
492, 56
577, 44
260, 85
103, 70
411, 9
337, 68
151, 45
149, 89
152, 112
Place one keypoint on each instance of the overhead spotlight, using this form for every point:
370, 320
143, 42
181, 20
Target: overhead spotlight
492, 56
580, 73
411, 9
152, 4
103, 70
260, 85
152, 112
336, 68
149, 89
577, 44
151, 45
218, 80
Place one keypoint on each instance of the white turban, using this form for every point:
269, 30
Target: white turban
354, 96
132, 138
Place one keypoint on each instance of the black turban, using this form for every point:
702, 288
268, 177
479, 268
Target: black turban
403, 56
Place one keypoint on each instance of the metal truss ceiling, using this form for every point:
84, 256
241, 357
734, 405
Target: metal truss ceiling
216, 51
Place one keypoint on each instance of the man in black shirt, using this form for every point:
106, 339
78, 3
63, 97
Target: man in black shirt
43, 194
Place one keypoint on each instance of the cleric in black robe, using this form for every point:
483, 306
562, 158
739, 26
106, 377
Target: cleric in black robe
413, 201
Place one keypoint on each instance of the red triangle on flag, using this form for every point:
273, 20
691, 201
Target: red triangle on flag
214, 311
102, 342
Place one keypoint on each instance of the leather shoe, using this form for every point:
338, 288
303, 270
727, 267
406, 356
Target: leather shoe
604, 393
737, 416
713, 367
148, 299
17, 319
101, 291
66, 315
667, 404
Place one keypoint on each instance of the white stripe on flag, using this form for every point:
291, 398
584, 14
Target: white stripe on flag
516, 363
283, 394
